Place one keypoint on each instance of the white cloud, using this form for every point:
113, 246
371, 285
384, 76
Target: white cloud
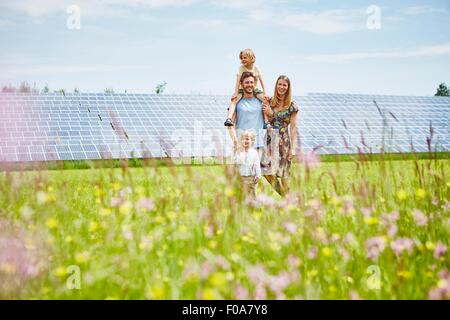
46, 69
321, 22
428, 51
5, 23
41, 8
326, 22
238, 4
205, 23
418, 10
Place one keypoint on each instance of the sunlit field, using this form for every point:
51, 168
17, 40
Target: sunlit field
348, 230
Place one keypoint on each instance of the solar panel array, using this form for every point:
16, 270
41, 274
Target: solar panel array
44, 127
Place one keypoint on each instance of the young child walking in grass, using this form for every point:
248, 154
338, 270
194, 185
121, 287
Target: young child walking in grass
248, 58
247, 159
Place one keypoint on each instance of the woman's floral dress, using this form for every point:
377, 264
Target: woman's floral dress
280, 135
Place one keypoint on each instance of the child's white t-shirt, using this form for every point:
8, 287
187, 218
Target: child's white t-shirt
255, 70
249, 163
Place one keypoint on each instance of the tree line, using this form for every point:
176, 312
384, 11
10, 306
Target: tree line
442, 90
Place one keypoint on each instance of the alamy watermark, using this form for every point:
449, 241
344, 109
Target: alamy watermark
374, 19
73, 21
373, 280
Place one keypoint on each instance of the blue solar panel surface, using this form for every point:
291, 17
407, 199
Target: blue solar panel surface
44, 127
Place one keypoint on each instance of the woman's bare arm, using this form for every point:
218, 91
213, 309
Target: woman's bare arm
293, 131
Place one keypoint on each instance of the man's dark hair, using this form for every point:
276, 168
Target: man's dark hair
246, 75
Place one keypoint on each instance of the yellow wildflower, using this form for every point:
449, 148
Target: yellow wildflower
51, 223
420, 193
104, 212
209, 294
402, 195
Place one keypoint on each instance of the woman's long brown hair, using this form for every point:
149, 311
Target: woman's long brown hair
287, 97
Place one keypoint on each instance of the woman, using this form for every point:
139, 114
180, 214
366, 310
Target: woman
282, 113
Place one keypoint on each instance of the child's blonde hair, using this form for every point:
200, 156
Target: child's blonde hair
249, 53
247, 133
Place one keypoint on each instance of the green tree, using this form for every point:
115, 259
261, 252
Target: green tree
46, 89
443, 90
109, 91
62, 91
9, 88
24, 87
160, 87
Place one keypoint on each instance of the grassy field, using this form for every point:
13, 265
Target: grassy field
348, 230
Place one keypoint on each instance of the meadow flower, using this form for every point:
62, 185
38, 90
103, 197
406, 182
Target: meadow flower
430, 245
115, 202
257, 274
281, 281
81, 257
124, 192
312, 253
314, 210
375, 246
350, 238
145, 204
128, 235
209, 231
218, 279
420, 193
262, 200
353, 295
402, 244
370, 221
348, 207
289, 202
60, 272
104, 212
389, 218
344, 254
51, 223
367, 212
401, 195
241, 293
442, 289
26, 212
440, 250
260, 292
125, 208
145, 243
290, 227
320, 235
222, 262
157, 292
293, 261
23, 257
93, 226
204, 213
206, 269
42, 197
326, 251
392, 231
309, 159
335, 237
419, 218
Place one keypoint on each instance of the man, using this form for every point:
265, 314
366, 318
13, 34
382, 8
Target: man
248, 113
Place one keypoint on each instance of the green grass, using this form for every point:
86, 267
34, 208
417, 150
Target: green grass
201, 240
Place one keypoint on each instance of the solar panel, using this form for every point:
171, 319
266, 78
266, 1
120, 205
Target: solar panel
45, 127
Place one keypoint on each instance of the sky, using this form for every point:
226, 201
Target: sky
373, 47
